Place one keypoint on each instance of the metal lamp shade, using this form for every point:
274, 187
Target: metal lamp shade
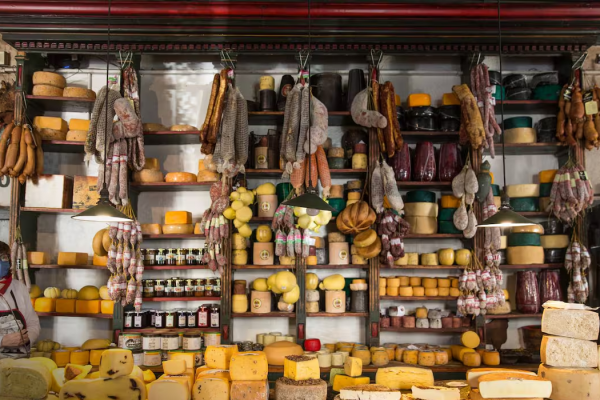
309, 200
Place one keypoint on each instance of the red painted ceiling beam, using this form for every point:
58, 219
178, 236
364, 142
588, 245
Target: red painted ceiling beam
537, 11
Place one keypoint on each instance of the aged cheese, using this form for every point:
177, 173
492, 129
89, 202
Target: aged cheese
421, 209
95, 357
178, 217
249, 366
419, 100
301, 368
525, 255
450, 99
435, 393
555, 241
152, 127
512, 385
547, 176
189, 358
65, 306
422, 225
174, 367
181, 177
472, 359
87, 306
115, 363
470, 339
355, 195
79, 357
122, 388
576, 324
219, 356
491, 358
249, 390
404, 378
336, 237
37, 257
69, 258
79, 124
53, 123
429, 259
353, 366
178, 229
558, 351
79, 93
544, 203
524, 190
148, 176
49, 78
152, 164
76, 136
210, 389
47, 90
520, 135
343, 381
458, 352
528, 229
168, 389
287, 389
572, 383
151, 229
432, 292
24, 379
449, 201
186, 379
369, 392
474, 374
476, 395
213, 373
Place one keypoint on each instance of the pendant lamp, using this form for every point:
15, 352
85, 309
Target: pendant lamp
310, 199
104, 211
505, 217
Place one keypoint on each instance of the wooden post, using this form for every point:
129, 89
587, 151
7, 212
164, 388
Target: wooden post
372, 322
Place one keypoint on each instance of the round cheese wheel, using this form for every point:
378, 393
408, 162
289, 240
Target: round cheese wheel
152, 163
421, 312
336, 152
47, 90
472, 359
276, 352
398, 353
404, 280
426, 358
429, 283
354, 195
470, 339
365, 238
79, 93
380, 358
180, 177
406, 291
454, 282
151, 127
178, 229
393, 282
491, 358
520, 135
392, 291
415, 281
183, 128
441, 357
410, 357
523, 239
443, 283
50, 79
382, 282
443, 292
151, 229
454, 292
418, 291
148, 176
431, 292
528, 229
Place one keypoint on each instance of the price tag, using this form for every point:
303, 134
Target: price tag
591, 107
303, 74
568, 93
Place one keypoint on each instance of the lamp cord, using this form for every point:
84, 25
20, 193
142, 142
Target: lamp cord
310, 182
502, 94
104, 187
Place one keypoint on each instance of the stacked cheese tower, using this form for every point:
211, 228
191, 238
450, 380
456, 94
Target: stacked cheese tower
335, 296
421, 211
88, 300
504, 384
406, 286
178, 223
352, 374
239, 244
524, 246
213, 381
546, 179
263, 248
48, 84
449, 204
519, 130
150, 173
570, 354
524, 198
176, 382
301, 379
51, 128
205, 175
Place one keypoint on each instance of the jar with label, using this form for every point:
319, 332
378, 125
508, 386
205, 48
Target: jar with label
192, 257
181, 257
215, 316
200, 284
128, 323
212, 338
190, 287
151, 341
159, 288
169, 288
199, 256
179, 287
159, 319
151, 317
140, 319
208, 289
161, 258
217, 288
170, 319
182, 319
203, 316
148, 288
171, 257
192, 341
138, 357
143, 254
130, 341
150, 258
169, 341
152, 358
191, 319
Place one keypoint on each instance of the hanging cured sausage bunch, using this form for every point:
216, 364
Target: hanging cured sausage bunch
480, 289
464, 187
471, 124
573, 121
392, 229
290, 241
215, 227
577, 263
571, 192
319, 171
482, 90
19, 265
21, 153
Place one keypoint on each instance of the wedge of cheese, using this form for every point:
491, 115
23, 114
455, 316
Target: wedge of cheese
219, 356
404, 378
575, 324
435, 393
572, 383
24, 379
474, 374
115, 363
301, 368
122, 388
249, 366
558, 351
511, 385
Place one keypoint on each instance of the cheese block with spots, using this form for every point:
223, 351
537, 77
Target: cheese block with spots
572, 383
122, 388
115, 363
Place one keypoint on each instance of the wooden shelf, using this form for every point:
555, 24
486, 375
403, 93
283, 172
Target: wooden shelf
62, 146
527, 107
276, 173
346, 314
429, 136
384, 266
263, 266
435, 236
174, 267
171, 186
418, 298
173, 330
518, 149
40, 210
56, 266
425, 330
424, 185
336, 118
333, 266
533, 266
60, 104
273, 314
512, 315
167, 237
56, 314
162, 299
171, 137
534, 214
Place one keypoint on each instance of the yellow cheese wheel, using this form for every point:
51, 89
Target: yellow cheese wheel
523, 190
422, 225
458, 352
443, 291
454, 292
547, 176
402, 260
520, 135
431, 292
178, 229
354, 195
393, 282
79, 124
99, 261
363, 354
151, 127
426, 358
472, 359
441, 357
178, 217
421, 312
380, 358
47, 90
95, 356
406, 291
454, 282
49, 78
79, 93
410, 356
470, 339
148, 176
555, 241
418, 291
80, 357
449, 201
382, 282
450, 99
392, 291
359, 161
336, 192
61, 357
399, 351
413, 258
528, 229
419, 100
151, 229
506, 296
180, 177
76, 136
443, 282
491, 358
404, 280
183, 128
336, 152
429, 259
429, 283
525, 255
415, 281
350, 202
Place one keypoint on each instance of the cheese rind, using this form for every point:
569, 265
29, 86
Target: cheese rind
572, 383
115, 363
49, 78
122, 388
219, 356
419, 100
178, 229
211, 389
178, 217
70, 258
369, 392
181, 177
148, 176
151, 229
152, 164
87, 306
422, 225
249, 390
24, 378
421, 209
404, 378
558, 351
343, 381
168, 389
76, 136
525, 255
54, 123
575, 324
79, 93
47, 90
470, 339
475, 395
520, 135
513, 386
79, 124
547, 176
249, 366
435, 393
524, 190
301, 368
353, 366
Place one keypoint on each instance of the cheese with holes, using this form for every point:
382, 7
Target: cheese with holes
525, 255
181, 177
211, 389
79, 124
555, 241
513, 386
421, 209
148, 176
558, 351
37, 258
179, 229
219, 356
474, 374
422, 225
79, 93
404, 378
524, 190
249, 390
435, 393
69, 258
115, 363
353, 366
168, 389
576, 324
151, 229
547, 176
301, 368
174, 367
178, 217
249, 366
341, 381
24, 379
122, 388
49, 78
76, 136
419, 100
47, 90
572, 383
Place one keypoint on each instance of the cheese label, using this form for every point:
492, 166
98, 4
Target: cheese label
265, 255
343, 255
265, 206
256, 303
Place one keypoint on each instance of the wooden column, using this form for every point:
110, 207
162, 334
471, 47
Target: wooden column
372, 321
301, 303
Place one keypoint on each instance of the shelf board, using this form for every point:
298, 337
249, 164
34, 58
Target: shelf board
518, 149
425, 330
263, 266
61, 104
163, 299
512, 315
533, 266
167, 237
173, 330
346, 314
418, 298
535, 214
56, 266
334, 266
424, 185
56, 314
62, 146
171, 137
41, 210
174, 267
276, 173
274, 314
171, 186
422, 266
435, 236
527, 106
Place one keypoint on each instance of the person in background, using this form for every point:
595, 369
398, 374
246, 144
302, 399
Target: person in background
19, 323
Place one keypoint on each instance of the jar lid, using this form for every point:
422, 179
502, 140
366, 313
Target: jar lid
169, 335
211, 333
192, 335
129, 312
159, 312
140, 351
152, 352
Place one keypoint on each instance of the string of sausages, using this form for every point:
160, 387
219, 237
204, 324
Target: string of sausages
482, 90
480, 289
464, 187
215, 227
18, 259
573, 121
571, 192
471, 123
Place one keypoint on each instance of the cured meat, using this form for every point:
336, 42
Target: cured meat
241, 132
210, 109
361, 115
318, 130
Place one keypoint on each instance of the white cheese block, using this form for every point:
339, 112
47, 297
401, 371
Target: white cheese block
555, 241
422, 225
421, 209
575, 324
369, 392
572, 383
566, 352
511, 385
474, 374
435, 393
524, 190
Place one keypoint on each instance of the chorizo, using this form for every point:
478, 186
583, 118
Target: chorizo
387, 110
4, 142
22, 159
13, 150
209, 110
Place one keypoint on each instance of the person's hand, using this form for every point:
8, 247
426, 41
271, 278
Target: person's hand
15, 339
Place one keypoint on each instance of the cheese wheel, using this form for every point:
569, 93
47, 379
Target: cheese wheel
411, 357
449, 201
37, 257
392, 291
47, 90
183, 128
61, 357
336, 152
433, 292
441, 357
79, 124
547, 176
152, 127
336, 192
382, 282
393, 282
572, 383
528, 229
426, 358
354, 195
454, 292
404, 280
148, 176
555, 241
443, 291
80, 357
415, 281
49, 79
357, 260
406, 291
525, 255
419, 100
470, 339
422, 225
421, 209
336, 237
429, 259
178, 217
413, 258
491, 358
418, 291
151, 229
454, 282
180, 177
79, 93
366, 238
152, 164
523, 239
178, 229
76, 136
520, 135
443, 282
472, 359
429, 283
421, 312
350, 202
524, 190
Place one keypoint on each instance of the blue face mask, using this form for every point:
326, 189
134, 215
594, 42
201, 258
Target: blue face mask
4, 268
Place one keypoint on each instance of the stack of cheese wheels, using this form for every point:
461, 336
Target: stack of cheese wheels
519, 130
421, 212
213, 380
264, 248
51, 128
353, 192
449, 205
205, 175
555, 247
248, 372
181, 177
78, 129
524, 246
419, 100
352, 375
496, 192
301, 379
48, 84
339, 253
336, 158
239, 245
546, 178
414, 286
150, 173
178, 223
524, 197
569, 353
335, 296
79, 93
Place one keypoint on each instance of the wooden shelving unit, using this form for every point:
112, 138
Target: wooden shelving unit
409, 185
273, 314
174, 267
435, 236
164, 299
334, 266
259, 267
174, 236
425, 330
423, 267
40, 210
60, 104
419, 298
56, 314
532, 266
512, 315
171, 186
176, 330
346, 314
56, 266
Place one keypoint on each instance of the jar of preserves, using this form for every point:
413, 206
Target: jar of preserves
181, 258
217, 288
191, 319
203, 316
169, 288
143, 254
151, 317
159, 319
128, 323
150, 258
192, 257
199, 256
192, 341
170, 341
179, 287
161, 258
148, 288
200, 284
215, 316
170, 319
208, 289
140, 319
182, 319
159, 288
190, 287
171, 257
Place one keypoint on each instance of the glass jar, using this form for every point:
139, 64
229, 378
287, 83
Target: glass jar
140, 319
217, 288
203, 316
169, 341
161, 259
159, 288
192, 257
181, 257
191, 319
182, 319
143, 254
169, 288
159, 319
148, 288
170, 319
150, 341
208, 289
190, 287
151, 317
150, 258
200, 284
199, 256
215, 316
171, 257
179, 287
128, 323
192, 341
